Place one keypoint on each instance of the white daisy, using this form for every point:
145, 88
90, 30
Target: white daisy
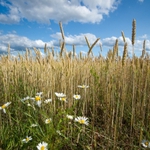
4, 106
47, 101
47, 121
64, 99
27, 139
83, 86
37, 99
39, 94
60, 95
69, 117
145, 143
33, 125
42, 146
26, 98
76, 97
82, 120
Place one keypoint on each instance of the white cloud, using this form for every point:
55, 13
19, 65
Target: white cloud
75, 39
58, 10
141, 0
20, 43
147, 45
138, 47
144, 36
13, 15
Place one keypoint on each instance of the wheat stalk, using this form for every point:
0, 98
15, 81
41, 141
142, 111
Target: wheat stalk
133, 35
90, 50
62, 31
144, 49
87, 42
124, 54
115, 50
124, 39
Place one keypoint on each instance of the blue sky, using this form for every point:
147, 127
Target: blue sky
27, 24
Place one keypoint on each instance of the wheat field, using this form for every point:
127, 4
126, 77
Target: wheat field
73, 102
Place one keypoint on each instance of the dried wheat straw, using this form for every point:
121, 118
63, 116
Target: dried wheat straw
124, 54
87, 42
90, 50
133, 31
133, 36
62, 31
144, 49
122, 33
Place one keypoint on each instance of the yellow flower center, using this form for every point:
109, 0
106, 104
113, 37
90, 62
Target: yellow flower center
27, 139
83, 86
42, 147
146, 143
82, 121
63, 98
37, 98
48, 121
4, 106
77, 96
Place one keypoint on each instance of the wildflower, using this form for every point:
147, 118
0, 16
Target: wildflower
27, 139
47, 101
4, 106
83, 86
76, 97
82, 120
39, 94
69, 117
42, 146
60, 95
64, 99
145, 143
37, 99
26, 98
47, 121
33, 125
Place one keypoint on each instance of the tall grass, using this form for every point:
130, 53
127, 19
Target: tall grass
116, 102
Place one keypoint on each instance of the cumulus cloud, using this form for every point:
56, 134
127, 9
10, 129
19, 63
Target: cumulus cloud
141, 0
59, 10
138, 47
20, 43
75, 39
144, 36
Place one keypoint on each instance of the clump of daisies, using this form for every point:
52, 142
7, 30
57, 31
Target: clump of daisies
4, 106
